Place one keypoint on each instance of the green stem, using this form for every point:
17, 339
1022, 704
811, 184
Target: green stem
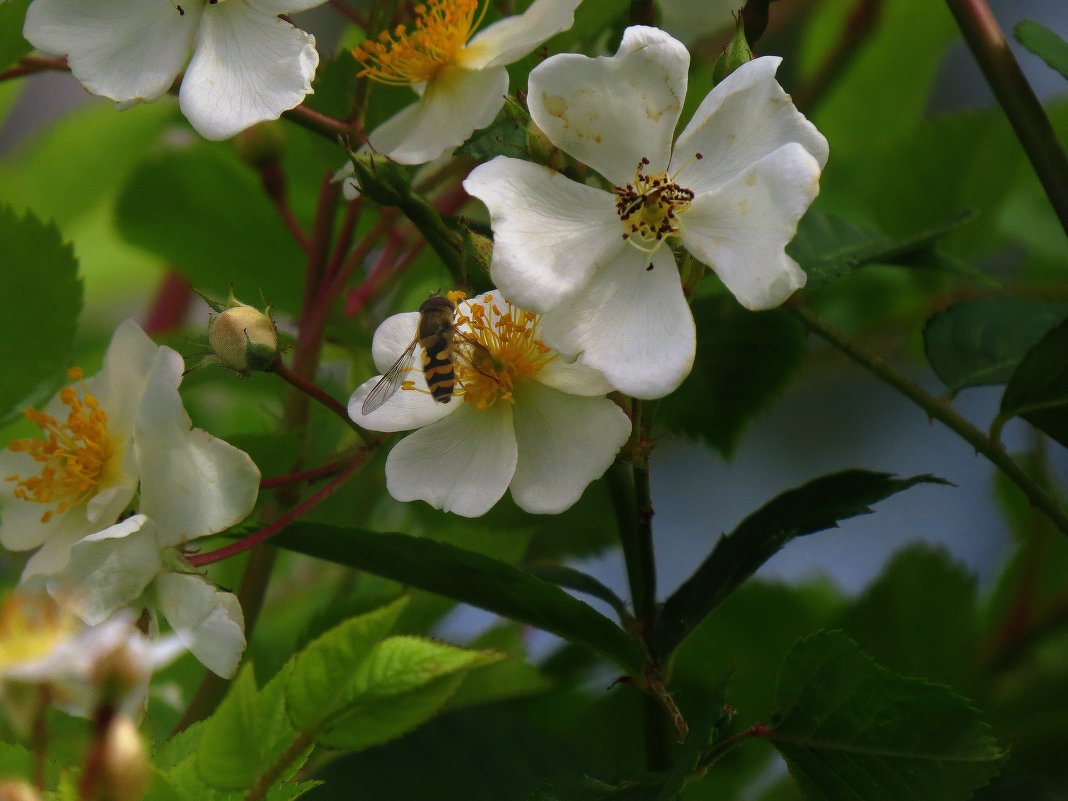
939, 410
1028, 118
264, 783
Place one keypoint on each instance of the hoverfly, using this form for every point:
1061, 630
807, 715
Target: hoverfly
437, 333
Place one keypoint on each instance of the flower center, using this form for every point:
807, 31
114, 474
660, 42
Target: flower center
649, 208
74, 454
405, 58
500, 349
30, 627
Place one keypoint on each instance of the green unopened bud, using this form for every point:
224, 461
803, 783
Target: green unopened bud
477, 253
125, 772
735, 54
385, 182
261, 143
244, 338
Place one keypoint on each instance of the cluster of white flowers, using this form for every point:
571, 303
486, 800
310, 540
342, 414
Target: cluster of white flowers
118, 439
589, 275
588, 301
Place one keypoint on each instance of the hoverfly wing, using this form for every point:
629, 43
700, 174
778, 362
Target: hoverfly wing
388, 384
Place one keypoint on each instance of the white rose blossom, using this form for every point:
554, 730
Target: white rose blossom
248, 65
82, 666
520, 419
461, 84
592, 262
119, 434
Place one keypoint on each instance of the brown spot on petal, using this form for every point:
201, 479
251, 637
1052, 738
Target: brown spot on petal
750, 179
555, 105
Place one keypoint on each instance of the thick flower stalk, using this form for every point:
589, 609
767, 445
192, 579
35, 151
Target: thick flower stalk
592, 261
518, 417
459, 75
248, 65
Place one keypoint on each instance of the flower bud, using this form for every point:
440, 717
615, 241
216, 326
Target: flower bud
385, 182
735, 54
243, 338
125, 772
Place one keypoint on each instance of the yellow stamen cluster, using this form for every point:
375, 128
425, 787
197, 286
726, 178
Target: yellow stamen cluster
30, 627
502, 350
74, 454
649, 207
405, 58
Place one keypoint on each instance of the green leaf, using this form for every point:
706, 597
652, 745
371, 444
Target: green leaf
744, 359
228, 754
468, 577
317, 688
812, 507
982, 341
1038, 389
581, 582
509, 678
401, 684
334, 88
919, 618
505, 136
1044, 43
205, 214
15, 760
12, 45
851, 730
828, 246
40, 292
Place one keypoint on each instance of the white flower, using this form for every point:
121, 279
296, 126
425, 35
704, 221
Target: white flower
124, 566
740, 176
520, 417
461, 84
40, 645
248, 65
119, 433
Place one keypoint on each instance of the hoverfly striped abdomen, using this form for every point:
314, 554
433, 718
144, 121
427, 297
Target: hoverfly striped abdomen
435, 335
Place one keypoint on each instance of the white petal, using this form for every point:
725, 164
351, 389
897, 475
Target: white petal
192, 484
346, 176
392, 338
564, 443
108, 570
130, 357
611, 111
54, 553
247, 67
460, 464
742, 119
574, 378
741, 230
126, 50
207, 620
512, 38
550, 234
455, 104
407, 409
20, 521
633, 324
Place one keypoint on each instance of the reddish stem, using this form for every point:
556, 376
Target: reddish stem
274, 184
344, 238
300, 477
34, 64
322, 124
170, 306
315, 392
294, 513
350, 13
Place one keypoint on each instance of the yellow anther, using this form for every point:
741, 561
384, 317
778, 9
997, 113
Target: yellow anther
74, 454
406, 58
